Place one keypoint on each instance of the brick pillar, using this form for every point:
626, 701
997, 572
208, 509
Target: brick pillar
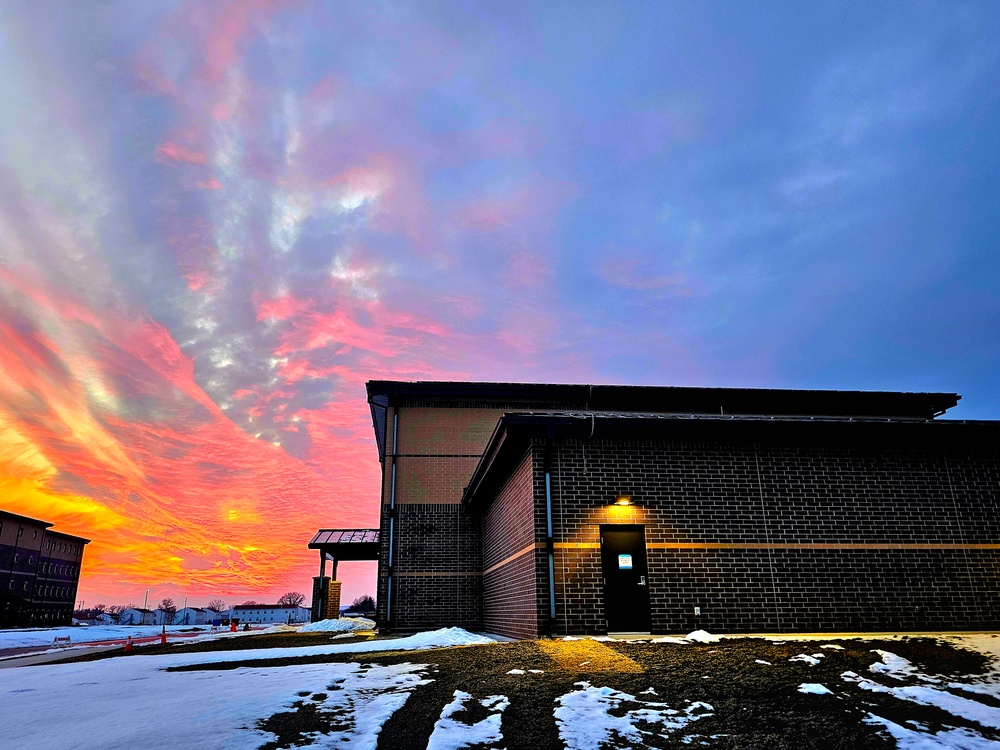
333, 601
319, 585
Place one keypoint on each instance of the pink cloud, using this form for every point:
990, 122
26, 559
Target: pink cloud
223, 44
282, 308
525, 269
536, 197
169, 152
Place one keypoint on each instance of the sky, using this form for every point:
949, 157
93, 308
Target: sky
218, 220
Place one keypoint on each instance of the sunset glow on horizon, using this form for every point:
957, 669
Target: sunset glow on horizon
218, 220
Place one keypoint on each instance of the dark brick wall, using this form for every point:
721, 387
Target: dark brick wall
509, 587
437, 568
723, 521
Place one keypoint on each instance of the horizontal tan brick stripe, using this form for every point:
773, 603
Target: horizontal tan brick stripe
435, 574
707, 545
512, 558
789, 545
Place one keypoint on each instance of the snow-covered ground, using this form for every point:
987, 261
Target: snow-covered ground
127, 701
43, 637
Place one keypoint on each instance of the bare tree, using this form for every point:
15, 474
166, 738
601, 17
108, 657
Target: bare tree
89, 613
363, 604
250, 603
115, 610
169, 610
217, 604
291, 599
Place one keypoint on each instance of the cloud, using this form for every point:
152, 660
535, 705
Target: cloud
170, 152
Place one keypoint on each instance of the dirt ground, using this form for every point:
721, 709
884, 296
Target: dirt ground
755, 705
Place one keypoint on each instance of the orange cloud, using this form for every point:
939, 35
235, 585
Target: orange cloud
124, 447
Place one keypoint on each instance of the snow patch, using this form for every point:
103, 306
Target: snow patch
703, 636
590, 717
342, 625
956, 705
812, 660
832, 647
892, 666
451, 733
814, 688
761, 661
515, 671
947, 739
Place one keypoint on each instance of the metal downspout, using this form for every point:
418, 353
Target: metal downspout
549, 541
392, 517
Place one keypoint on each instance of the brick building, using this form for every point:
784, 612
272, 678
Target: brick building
39, 572
549, 509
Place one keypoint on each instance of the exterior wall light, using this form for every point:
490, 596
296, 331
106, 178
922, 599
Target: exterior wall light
623, 500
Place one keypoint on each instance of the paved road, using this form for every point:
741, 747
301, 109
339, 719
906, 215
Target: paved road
30, 659
28, 655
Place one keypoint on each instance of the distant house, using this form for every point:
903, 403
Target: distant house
161, 617
137, 616
106, 618
270, 614
198, 616
190, 616
211, 615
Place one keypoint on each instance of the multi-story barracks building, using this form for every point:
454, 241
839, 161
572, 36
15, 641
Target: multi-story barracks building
39, 572
528, 510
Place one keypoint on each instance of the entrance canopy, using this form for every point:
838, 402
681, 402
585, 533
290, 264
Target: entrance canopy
345, 544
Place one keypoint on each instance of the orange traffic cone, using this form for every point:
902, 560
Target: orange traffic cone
163, 636
128, 644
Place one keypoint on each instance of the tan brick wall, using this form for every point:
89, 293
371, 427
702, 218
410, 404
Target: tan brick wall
439, 431
432, 480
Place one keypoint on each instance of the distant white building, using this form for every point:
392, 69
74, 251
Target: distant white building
211, 615
190, 616
137, 616
198, 616
106, 618
270, 614
163, 618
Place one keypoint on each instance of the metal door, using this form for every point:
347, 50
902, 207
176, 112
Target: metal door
626, 590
